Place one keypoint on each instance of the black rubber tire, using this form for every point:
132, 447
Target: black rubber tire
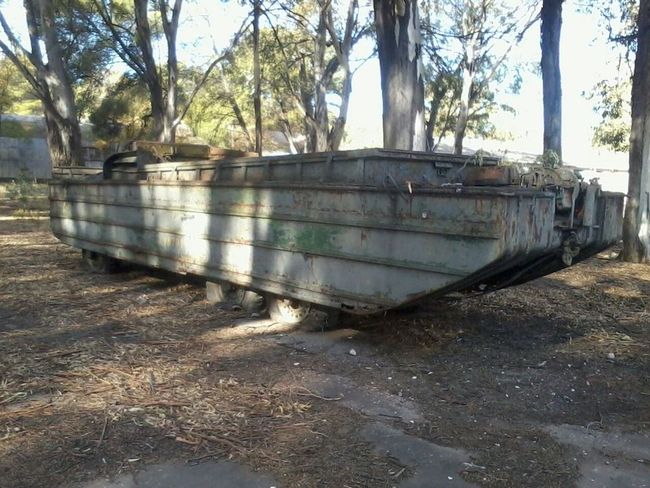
222, 292
286, 310
99, 263
251, 302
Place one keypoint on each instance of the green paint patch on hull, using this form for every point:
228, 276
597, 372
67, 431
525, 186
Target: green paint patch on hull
317, 238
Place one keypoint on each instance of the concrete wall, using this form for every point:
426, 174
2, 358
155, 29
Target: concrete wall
23, 145
29, 153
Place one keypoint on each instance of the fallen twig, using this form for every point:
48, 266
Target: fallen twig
101, 437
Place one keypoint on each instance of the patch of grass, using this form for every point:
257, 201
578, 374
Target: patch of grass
20, 130
24, 190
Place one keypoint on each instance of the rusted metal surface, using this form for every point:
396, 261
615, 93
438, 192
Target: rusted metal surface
491, 176
361, 231
156, 152
60, 172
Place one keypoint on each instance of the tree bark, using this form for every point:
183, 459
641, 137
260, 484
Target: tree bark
473, 27
51, 82
398, 41
61, 91
464, 104
551, 28
170, 28
440, 90
342, 48
636, 226
338, 128
150, 73
320, 119
257, 77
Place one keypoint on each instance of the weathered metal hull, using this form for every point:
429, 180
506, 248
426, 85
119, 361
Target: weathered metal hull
350, 245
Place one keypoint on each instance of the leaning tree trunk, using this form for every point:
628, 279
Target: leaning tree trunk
552, 84
158, 109
67, 144
338, 129
168, 133
636, 226
439, 92
170, 27
402, 86
464, 103
257, 77
150, 74
59, 154
320, 119
63, 138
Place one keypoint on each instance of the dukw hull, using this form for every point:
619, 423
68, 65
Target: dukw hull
360, 231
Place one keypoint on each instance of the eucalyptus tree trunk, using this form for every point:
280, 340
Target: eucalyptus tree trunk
163, 105
473, 25
150, 71
551, 28
170, 28
69, 151
398, 40
320, 119
342, 47
636, 226
464, 102
257, 77
440, 89
49, 81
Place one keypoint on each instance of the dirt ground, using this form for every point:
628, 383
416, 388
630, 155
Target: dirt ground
102, 375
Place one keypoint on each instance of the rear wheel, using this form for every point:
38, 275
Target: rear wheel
99, 263
250, 301
286, 310
227, 293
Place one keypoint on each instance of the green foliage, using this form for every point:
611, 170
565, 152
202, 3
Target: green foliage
86, 57
477, 159
222, 113
550, 159
618, 19
612, 103
23, 189
612, 97
453, 29
123, 112
15, 93
20, 130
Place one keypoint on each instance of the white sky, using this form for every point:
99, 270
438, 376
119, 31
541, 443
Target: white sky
209, 24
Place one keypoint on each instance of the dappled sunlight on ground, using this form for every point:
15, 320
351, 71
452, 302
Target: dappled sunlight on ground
101, 374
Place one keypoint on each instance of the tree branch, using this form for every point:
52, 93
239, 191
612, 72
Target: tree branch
13, 40
210, 68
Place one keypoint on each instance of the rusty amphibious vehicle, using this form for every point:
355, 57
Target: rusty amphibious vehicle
355, 231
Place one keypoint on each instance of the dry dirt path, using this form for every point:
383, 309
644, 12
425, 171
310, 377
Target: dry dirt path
135, 380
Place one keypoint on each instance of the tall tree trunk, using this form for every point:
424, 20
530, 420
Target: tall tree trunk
158, 108
150, 73
61, 91
551, 28
320, 119
250, 145
170, 28
398, 41
236, 109
342, 48
257, 77
636, 226
464, 103
440, 89
169, 127
338, 129
58, 150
